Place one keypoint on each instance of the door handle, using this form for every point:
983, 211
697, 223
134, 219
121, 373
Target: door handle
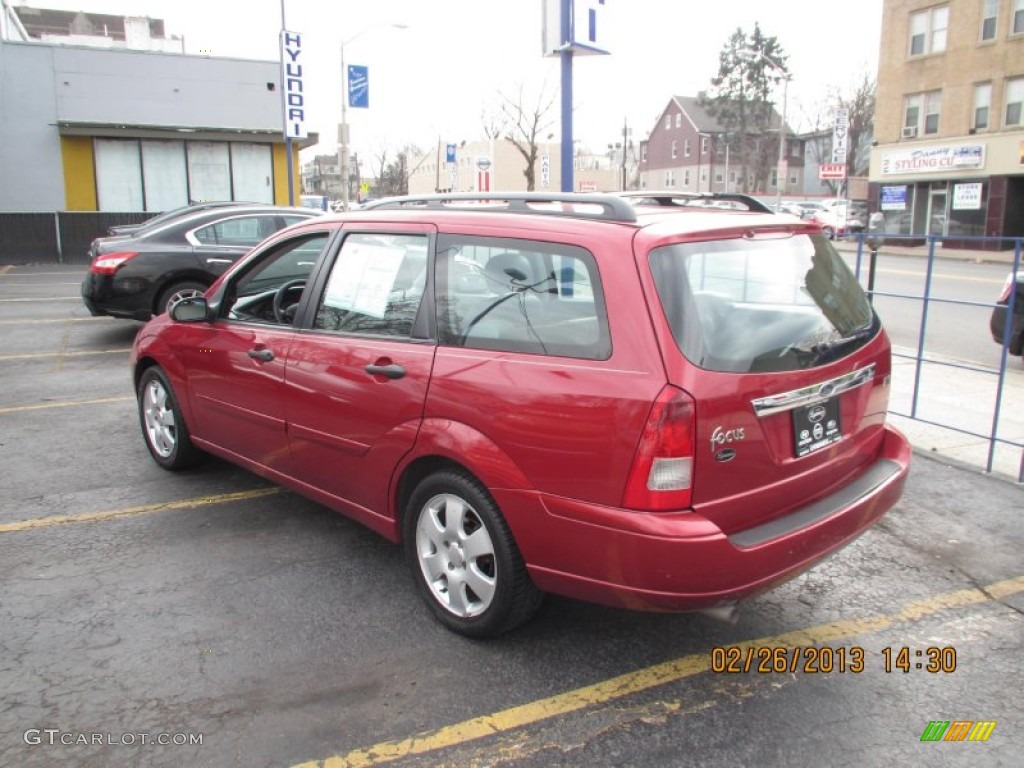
219, 261
263, 354
392, 371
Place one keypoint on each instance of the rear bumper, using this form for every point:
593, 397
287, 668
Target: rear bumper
682, 561
103, 296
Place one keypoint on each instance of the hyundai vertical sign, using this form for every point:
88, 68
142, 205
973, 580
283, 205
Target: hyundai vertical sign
294, 95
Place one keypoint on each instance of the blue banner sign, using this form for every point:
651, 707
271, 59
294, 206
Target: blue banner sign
358, 86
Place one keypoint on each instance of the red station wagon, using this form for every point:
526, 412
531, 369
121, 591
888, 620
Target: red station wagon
651, 408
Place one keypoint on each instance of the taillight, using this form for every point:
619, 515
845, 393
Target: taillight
1004, 297
108, 263
661, 477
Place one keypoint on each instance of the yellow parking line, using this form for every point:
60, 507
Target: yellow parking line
81, 353
62, 404
651, 677
42, 298
44, 321
91, 517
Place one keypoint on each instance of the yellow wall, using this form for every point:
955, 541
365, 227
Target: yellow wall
281, 175
79, 173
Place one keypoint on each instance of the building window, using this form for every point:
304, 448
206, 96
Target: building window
670, 179
982, 103
1017, 24
918, 105
719, 178
1014, 101
686, 147
989, 19
794, 149
928, 30
793, 178
643, 153
679, 119
686, 177
703, 145
932, 110
668, 122
675, 149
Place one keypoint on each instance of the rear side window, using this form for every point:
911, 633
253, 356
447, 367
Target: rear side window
520, 296
773, 304
242, 230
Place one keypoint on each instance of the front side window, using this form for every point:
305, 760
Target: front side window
989, 19
928, 30
1015, 101
270, 290
520, 296
750, 305
982, 104
375, 286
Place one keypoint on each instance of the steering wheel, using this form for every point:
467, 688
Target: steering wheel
280, 296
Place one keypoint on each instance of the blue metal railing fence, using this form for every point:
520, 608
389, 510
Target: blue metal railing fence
920, 358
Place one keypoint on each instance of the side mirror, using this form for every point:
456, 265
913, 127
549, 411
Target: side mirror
192, 310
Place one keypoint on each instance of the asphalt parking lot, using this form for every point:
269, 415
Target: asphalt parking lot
210, 619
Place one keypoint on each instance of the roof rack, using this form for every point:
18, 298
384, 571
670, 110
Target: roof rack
695, 199
578, 205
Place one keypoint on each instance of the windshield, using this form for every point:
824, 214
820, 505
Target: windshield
772, 304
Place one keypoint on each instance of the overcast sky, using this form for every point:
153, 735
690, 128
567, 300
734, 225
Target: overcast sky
435, 78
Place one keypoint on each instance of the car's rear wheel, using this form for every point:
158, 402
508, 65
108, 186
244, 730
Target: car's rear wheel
176, 292
464, 559
163, 427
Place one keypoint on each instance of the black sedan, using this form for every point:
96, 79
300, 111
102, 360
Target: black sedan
997, 323
133, 229
141, 275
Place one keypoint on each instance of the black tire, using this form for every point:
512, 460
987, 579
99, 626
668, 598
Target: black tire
163, 427
173, 293
464, 559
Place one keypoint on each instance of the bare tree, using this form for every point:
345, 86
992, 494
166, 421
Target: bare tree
859, 101
522, 125
749, 68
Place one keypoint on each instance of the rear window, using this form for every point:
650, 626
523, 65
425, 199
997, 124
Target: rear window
779, 303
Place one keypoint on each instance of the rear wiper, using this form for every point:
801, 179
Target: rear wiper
823, 349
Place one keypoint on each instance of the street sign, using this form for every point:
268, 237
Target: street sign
358, 86
293, 97
483, 173
839, 133
832, 171
545, 171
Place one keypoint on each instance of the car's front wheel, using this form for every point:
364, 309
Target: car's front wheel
163, 426
463, 557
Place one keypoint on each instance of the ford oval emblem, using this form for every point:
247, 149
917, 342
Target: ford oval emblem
727, 454
816, 414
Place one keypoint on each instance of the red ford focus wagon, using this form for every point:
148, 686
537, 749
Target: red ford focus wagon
658, 407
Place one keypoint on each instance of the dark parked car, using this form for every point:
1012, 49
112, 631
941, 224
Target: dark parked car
140, 275
120, 230
651, 407
997, 323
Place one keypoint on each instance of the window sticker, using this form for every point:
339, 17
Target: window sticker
363, 278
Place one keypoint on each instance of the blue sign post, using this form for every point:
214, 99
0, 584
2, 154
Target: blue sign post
570, 27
